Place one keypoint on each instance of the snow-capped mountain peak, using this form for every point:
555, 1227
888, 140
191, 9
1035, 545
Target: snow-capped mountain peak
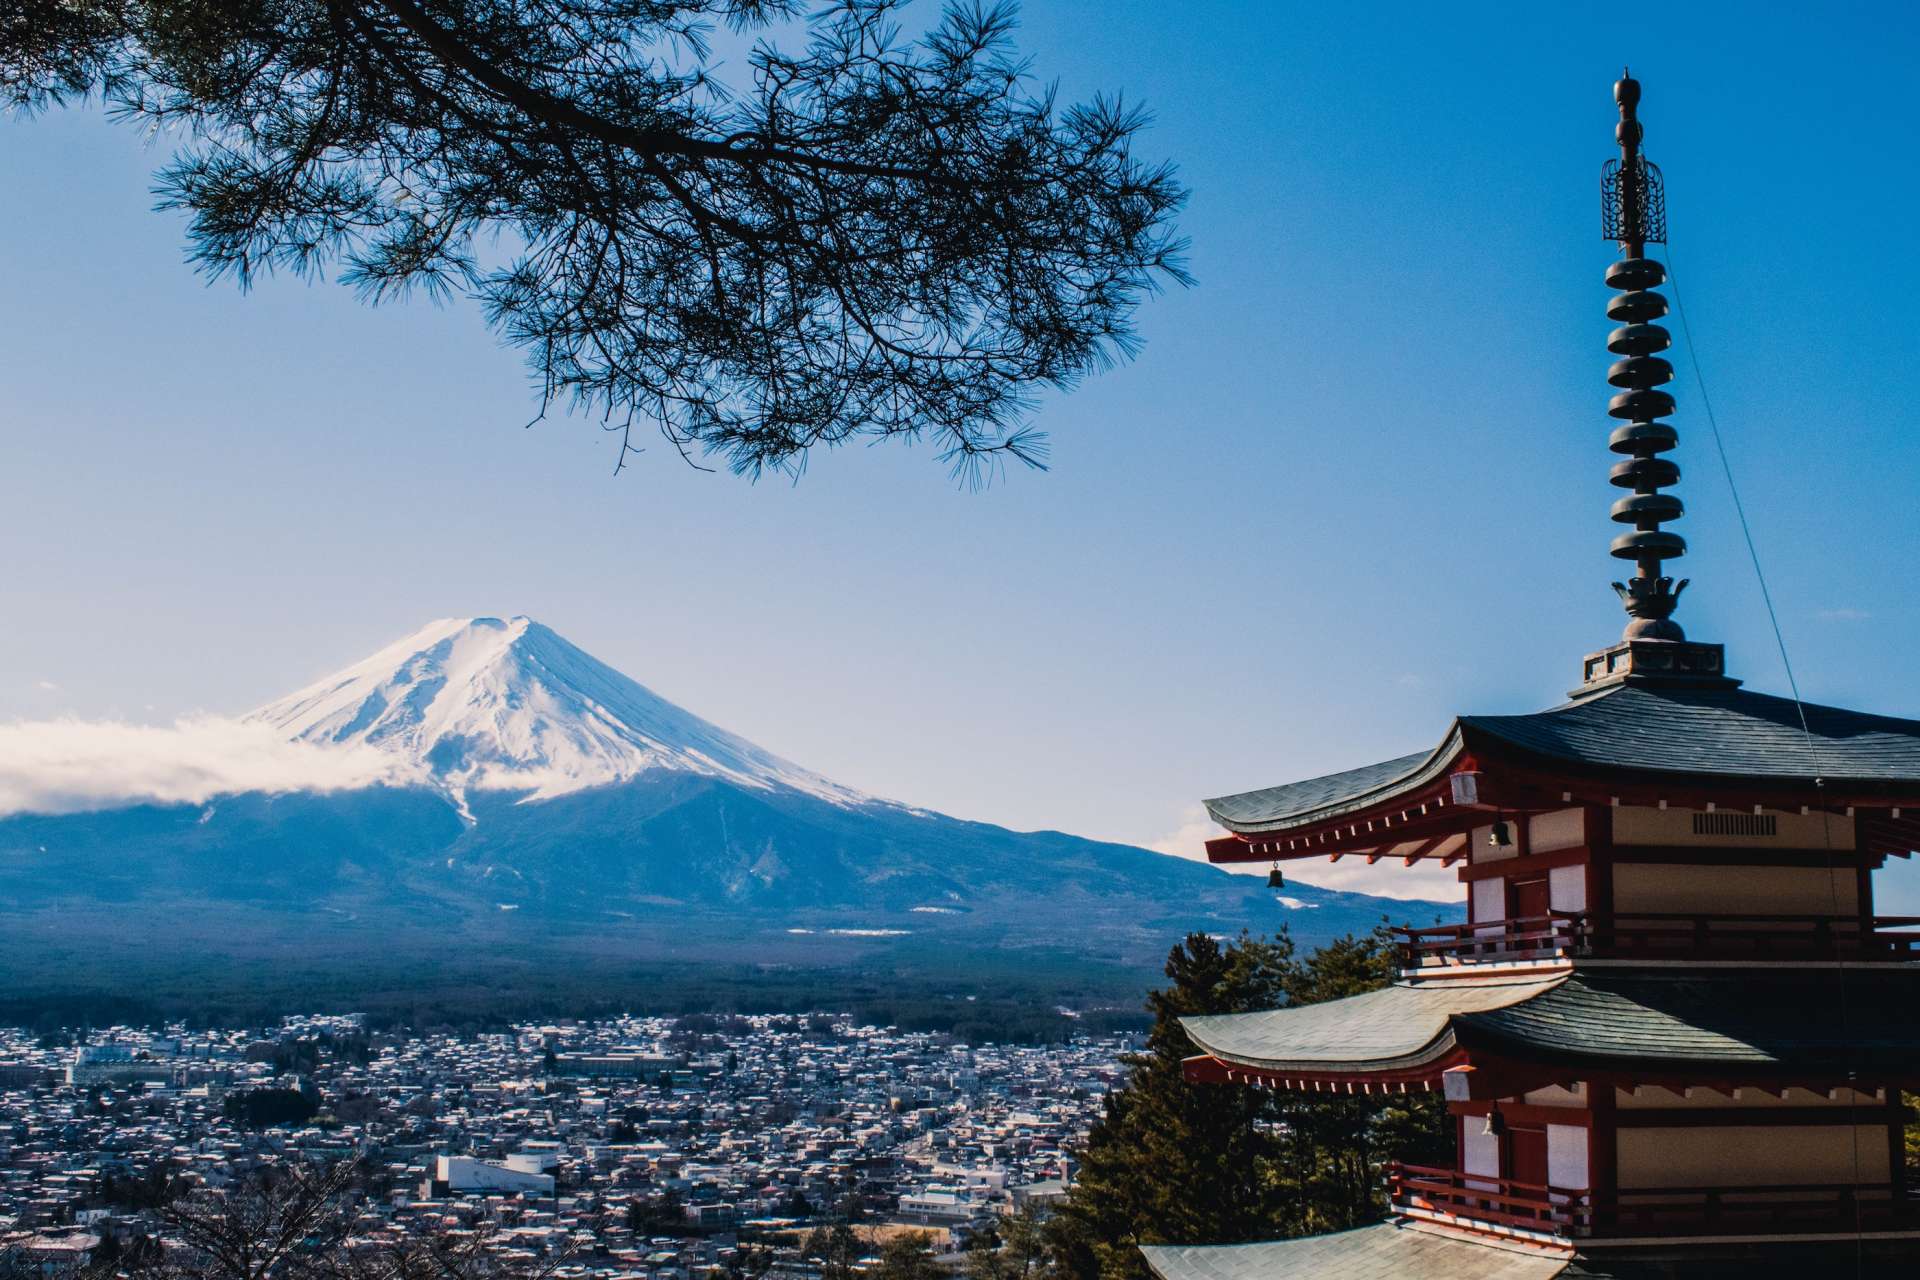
507, 704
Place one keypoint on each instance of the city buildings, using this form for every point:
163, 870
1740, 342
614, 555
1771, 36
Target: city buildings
636, 1147
519, 1174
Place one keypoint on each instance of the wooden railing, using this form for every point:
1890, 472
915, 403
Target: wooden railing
1497, 1201
1785, 1209
1521, 938
1655, 1211
1652, 935
1655, 935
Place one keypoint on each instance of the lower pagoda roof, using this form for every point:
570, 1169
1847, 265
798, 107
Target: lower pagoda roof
1388, 1251
1801, 1018
1712, 736
1820, 1020
1404, 1250
1397, 1027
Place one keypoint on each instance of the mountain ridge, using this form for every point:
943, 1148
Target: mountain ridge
544, 803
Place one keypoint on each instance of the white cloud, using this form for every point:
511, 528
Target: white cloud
1388, 878
1189, 839
46, 686
70, 766
1844, 615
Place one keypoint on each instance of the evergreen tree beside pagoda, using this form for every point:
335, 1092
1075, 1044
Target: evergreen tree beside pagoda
1173, 1163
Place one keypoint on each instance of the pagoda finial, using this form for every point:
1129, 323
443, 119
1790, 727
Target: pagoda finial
1633, 214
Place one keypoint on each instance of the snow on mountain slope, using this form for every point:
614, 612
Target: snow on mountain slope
492, 704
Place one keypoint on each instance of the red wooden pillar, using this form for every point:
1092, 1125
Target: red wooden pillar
1599, 831
1603, 1155
1863, 869
1897, 1144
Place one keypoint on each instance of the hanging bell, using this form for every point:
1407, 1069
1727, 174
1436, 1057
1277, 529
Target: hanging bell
1501, 837
1274, 879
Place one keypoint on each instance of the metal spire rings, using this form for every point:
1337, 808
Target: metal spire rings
1633, 214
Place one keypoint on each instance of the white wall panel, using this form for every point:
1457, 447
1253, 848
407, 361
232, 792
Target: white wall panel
1567, 1156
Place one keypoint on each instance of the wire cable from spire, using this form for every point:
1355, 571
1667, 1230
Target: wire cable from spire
1739, 508
1806, 730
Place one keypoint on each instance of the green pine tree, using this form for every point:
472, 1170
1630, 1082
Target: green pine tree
1014, 1248
1169, 1163
1173, 1163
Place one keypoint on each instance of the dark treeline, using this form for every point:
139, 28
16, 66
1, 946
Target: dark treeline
264, 1108
988, 1006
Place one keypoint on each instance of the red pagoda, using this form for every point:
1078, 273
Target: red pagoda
1673, 1032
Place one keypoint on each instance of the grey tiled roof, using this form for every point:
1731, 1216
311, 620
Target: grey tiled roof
1388, 1251
1713, 734
1400, 1025
1299, 799
1755, 1017
1819, 1018
1721, 732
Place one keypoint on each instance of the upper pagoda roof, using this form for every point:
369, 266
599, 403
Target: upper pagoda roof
1705, 734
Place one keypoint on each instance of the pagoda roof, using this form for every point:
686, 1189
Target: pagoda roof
1272, 808
1800, 1018
1740, 1018
1405, 1249
1393, 1028
1705, 735
1386, 1251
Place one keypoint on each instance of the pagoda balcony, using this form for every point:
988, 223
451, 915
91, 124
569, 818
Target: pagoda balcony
1558, 936
1490, 1203
1565, 935
1756, 1210
1655, 936
1503, 1206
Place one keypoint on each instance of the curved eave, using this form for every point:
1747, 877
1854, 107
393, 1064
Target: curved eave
1427, 1059
1382, 795
1393, 1030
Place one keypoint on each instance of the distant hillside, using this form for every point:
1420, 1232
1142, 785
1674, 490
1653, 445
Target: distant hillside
546, 817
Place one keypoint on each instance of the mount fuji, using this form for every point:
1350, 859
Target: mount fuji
534, 803
509, 706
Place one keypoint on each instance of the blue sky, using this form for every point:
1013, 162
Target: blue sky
1354, 485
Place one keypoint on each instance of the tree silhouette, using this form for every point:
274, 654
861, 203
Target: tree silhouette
272, 1222
871, 235
1173, 1163
835, 1248
908, 1256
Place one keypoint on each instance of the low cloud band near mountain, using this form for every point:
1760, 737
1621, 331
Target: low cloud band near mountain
78, 766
